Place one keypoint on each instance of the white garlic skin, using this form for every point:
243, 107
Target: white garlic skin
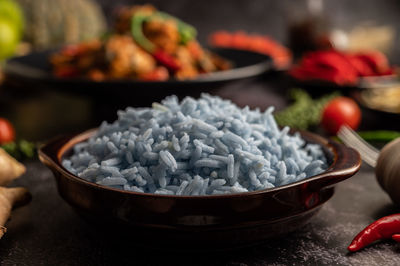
387, 170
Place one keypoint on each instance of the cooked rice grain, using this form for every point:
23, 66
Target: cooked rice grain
196, 147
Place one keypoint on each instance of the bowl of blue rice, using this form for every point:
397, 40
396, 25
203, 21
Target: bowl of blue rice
197, 174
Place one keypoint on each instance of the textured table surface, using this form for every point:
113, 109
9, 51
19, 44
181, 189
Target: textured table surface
48, 232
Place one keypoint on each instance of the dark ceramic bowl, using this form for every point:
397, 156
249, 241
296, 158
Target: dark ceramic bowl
205, 222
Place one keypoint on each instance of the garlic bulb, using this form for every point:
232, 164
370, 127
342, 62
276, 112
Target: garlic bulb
388, 170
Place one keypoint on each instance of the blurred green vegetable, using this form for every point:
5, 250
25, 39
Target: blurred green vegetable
20, 149
187, 32
9, 38
305, 111
11, 27
11, 11
379, 135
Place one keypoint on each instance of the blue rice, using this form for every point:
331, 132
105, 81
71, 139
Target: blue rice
195, 147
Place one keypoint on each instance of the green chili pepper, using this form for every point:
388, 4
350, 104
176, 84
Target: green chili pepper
379, 135
137, 32
186, 32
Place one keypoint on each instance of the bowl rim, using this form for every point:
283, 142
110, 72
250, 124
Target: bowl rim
52, 152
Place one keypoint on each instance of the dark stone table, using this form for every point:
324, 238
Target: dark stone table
48, 232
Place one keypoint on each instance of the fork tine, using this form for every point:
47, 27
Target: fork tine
357, 137
354, 141
368, 153
359, 144
365, 154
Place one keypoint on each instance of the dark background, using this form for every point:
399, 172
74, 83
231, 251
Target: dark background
272, 17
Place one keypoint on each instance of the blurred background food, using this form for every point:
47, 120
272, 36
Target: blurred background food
382, 96
11, 27
359, 38
281, 56
50, 23
312, 39
341, 68
145, 44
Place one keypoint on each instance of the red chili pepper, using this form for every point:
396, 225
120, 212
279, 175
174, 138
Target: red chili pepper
396, 237
384, 228
75, 50
161, 56
376, 60
341, 68
326, 65
166, 60
66, 72
159, 74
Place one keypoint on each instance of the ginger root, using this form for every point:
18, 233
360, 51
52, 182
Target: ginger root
10, 198
10, 168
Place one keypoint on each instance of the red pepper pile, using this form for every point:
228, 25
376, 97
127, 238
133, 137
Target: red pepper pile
253, 42
340, 67
384, 228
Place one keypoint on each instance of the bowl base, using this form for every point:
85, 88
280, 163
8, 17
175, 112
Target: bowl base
192, 239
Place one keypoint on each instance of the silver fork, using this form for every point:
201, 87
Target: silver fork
369, 154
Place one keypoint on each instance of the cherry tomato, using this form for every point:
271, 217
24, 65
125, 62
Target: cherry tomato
341, 111
7, 132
